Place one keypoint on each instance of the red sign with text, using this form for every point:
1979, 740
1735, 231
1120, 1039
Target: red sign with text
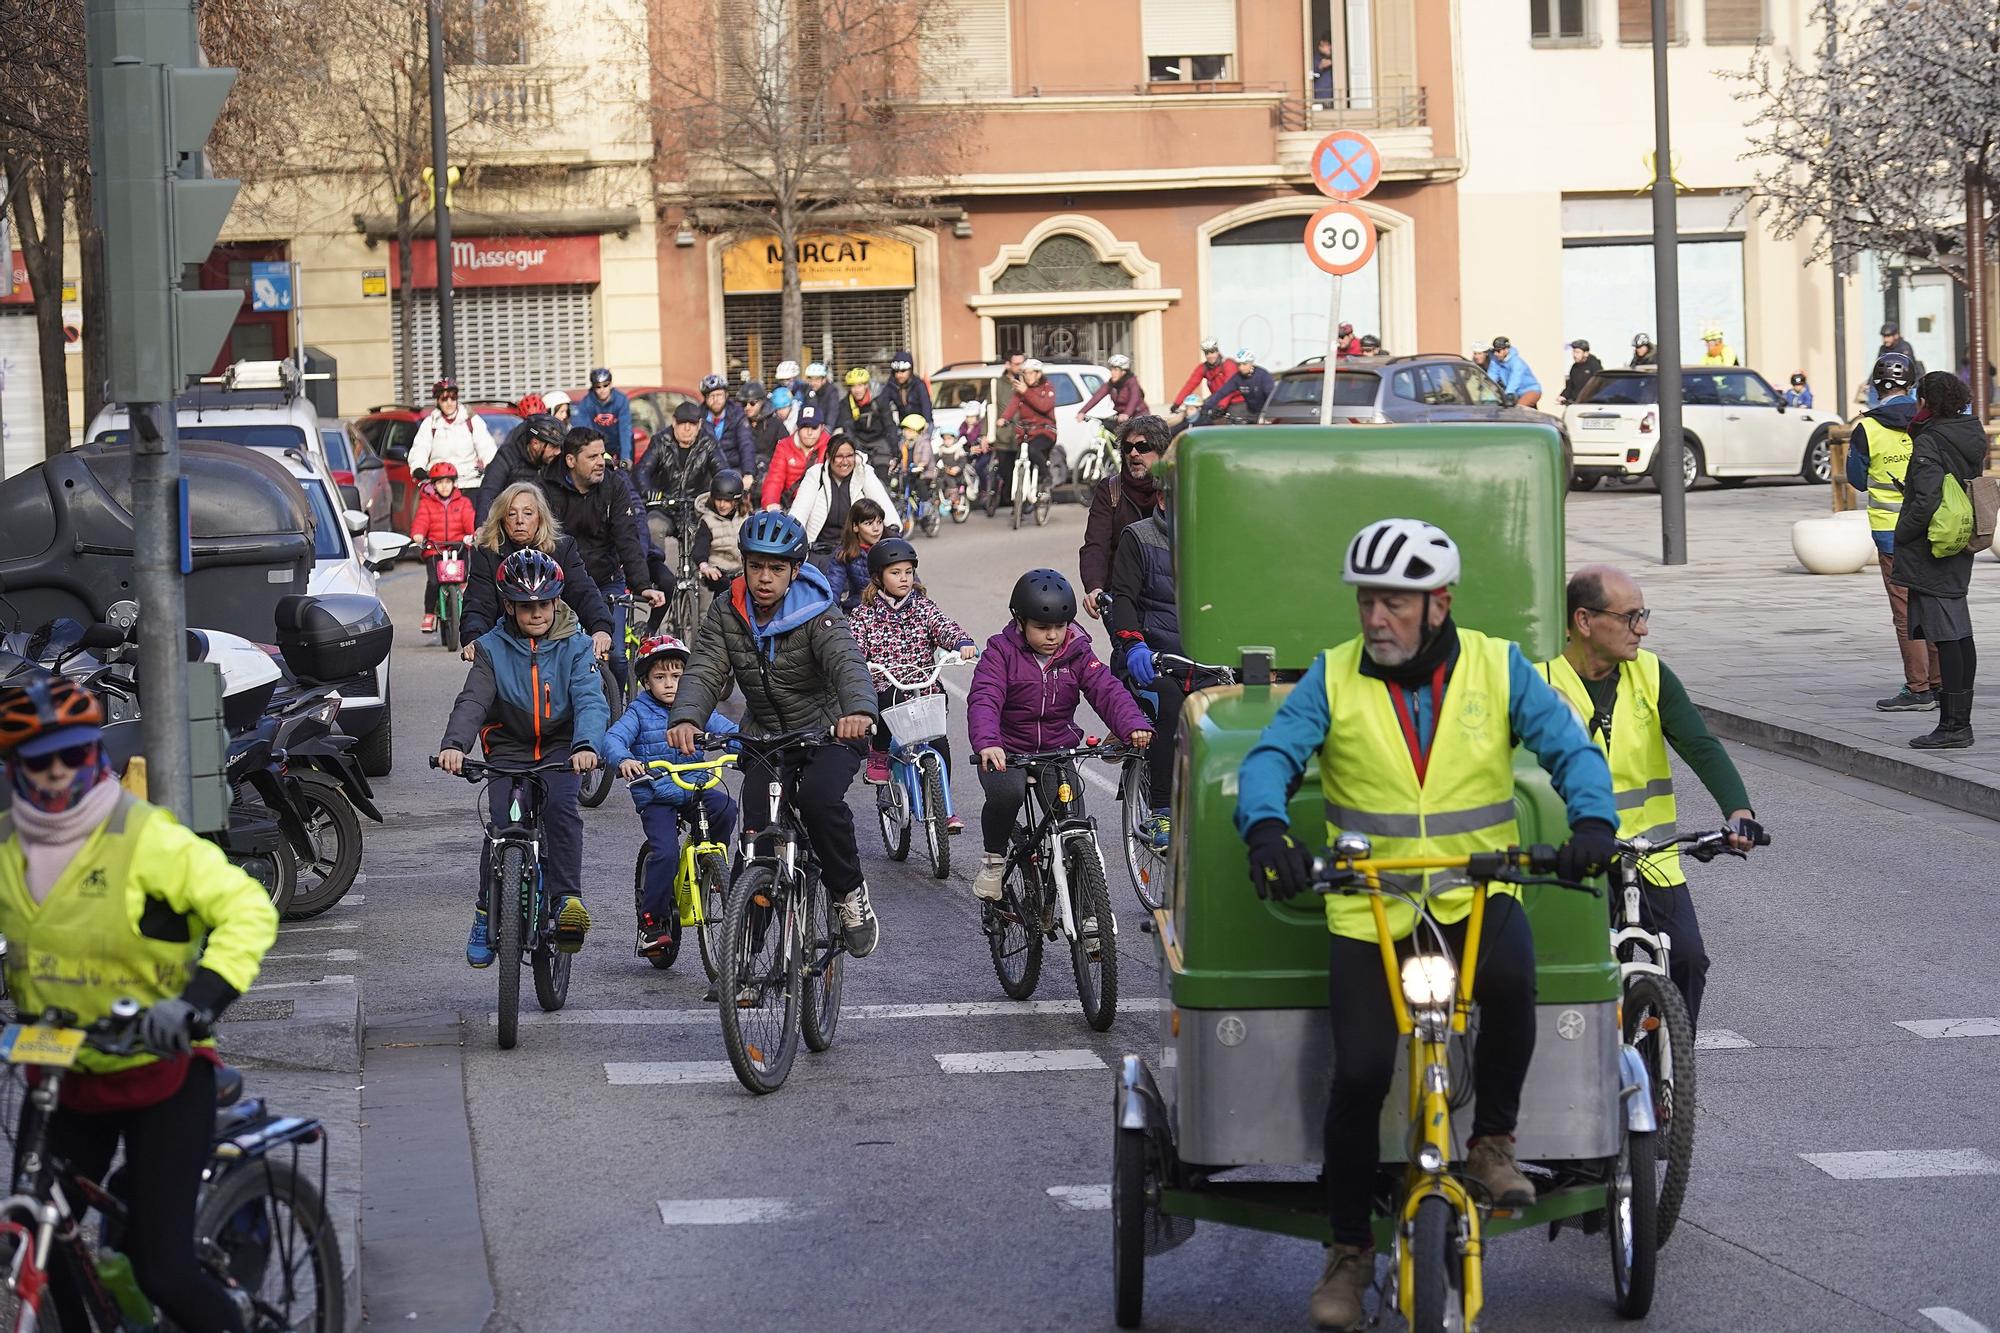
20, 295
509, 261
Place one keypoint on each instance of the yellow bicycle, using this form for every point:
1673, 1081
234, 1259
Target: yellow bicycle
702, 877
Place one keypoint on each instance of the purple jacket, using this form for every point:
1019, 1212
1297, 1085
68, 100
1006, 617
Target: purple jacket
1021, 708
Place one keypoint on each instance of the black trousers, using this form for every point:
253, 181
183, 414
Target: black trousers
1365, 1042
1671, 909
166, 1146
819, 789
1165, 708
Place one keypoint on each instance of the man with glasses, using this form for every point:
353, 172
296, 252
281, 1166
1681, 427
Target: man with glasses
1634, 708
1128, 496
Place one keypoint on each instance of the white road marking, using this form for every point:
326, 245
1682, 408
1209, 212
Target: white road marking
1953, 1321
352, 899
633, 1073
725, 1212
697, 1017
1018, 1062
1091, 772
1081, 1198
1721, 1039
305, 930
330, 956
1908, 1165
1931, 1028
323, 981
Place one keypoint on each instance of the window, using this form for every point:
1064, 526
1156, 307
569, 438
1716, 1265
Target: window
1701, 390
965, 50
1063, 263
329, 534
1434, 386
1478, 388
1746, 390
272, 436
1735, 21
957, 393
1078, 337
1635, 22
1188, 41
485, 32
1621, 389
334, 443
1351, 388
1067, 393
1561, 22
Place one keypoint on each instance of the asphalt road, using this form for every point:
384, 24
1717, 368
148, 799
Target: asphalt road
878, 1191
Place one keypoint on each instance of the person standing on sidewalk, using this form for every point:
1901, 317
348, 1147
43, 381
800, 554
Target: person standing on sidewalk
1634, 707
1878, 456
1946, 441
1583, 368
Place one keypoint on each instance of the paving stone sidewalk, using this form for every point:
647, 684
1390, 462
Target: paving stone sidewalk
1783, 659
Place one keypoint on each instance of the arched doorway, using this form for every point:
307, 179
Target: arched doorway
1072, 289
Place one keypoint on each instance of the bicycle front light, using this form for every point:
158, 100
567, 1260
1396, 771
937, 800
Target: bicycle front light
1428, 980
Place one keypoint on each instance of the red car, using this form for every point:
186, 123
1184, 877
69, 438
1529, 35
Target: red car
390, 427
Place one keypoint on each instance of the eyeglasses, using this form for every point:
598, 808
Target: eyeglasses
1633, 619
72, 756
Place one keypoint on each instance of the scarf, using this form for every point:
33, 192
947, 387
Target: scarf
50, 840
1145, 491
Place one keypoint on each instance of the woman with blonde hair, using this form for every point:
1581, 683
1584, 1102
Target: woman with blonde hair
521, 518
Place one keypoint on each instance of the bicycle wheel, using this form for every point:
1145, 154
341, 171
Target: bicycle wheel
664, 959
596, 784
1439, 1302
758, 989
265, 1227
819, 1014
892, 813
503, 921
1014, 931
1128, 1225
1093, 954
1045, 498
450, 613
936, 837
1146, 867
1020, 502
1633, 1214
684, 612
552, 968
711, 873
1657, 1025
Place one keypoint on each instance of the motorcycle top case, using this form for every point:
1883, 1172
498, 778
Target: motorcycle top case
334, 636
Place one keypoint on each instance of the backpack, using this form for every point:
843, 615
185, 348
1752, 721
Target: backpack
1965, 516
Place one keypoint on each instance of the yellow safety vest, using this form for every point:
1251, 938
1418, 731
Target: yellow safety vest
1725, 357
1369, 779
1642, 777
1888, 462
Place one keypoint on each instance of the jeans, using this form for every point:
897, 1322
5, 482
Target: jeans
562, 833
662, 823
819, 789
1670, 910
1365, 1041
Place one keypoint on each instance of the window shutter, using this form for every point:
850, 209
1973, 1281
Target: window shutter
967, 51
1735, 20
1188, 27
1635, 20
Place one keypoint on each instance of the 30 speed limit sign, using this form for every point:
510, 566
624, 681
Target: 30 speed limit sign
1340, 238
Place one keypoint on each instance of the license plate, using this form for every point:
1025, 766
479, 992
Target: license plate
32, 1044
1598, 423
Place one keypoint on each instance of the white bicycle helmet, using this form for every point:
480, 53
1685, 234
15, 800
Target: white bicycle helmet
1210, 345
787, 370
1119, 361
816, 371
1405, 553
1246, 357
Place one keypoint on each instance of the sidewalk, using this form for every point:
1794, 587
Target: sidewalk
1779, 658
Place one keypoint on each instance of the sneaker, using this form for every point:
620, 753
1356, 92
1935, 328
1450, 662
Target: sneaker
992, 873
1492, 1167
857, 921
430, 623
1160, 829
572, 924
1907, 700
953, 824
1337, 1300
748, 997
878, 769
478, 944
1086, 930
654, 936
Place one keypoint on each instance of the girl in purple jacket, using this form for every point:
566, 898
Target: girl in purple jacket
1024, 696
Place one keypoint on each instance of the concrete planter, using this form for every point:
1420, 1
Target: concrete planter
1836, 544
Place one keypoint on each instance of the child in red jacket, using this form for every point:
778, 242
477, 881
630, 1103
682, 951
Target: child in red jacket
444, 518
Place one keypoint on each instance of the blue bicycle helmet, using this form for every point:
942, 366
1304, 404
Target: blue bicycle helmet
773, 532
530, 576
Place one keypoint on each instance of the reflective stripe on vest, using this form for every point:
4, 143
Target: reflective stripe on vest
1642, 777
1888, 462
1369, 780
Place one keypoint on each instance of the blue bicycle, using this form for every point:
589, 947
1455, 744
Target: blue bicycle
916, 792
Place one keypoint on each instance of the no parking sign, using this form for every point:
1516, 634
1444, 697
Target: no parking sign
1340, 238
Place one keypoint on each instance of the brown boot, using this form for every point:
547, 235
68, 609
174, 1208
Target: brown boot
1336, 1301
1491, 1166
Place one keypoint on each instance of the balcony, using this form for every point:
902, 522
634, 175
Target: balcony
536, 114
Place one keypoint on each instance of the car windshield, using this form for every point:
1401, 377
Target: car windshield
1621, 391
1351, 388
338, 456
957, 393
329, 534
268, 435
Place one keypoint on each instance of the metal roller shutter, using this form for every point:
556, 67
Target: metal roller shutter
843, 329
21, 424
1188, 27
511, 340
966, 51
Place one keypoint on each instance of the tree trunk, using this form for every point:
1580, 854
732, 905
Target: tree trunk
96, 303
42, 255
791, 303
406, 313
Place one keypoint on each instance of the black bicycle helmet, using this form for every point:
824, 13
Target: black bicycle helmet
728, 485
773, 532
547, 428
1894, 374
753, 391
889, 551
1043, 596
530, 576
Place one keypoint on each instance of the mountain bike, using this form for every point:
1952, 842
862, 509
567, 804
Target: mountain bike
452, 573
1101, 459
261, 1224
1053, 884
782, 941
703, 871
520, 913
916, 792
1148, 861
683, 610
1657, 1022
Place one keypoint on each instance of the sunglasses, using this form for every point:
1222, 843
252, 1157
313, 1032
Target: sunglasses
1139, 447
72, 756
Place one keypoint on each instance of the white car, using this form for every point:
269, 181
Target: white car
964, 382
1735, 425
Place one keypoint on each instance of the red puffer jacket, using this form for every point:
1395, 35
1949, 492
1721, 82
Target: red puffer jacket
440, 521
1033, 411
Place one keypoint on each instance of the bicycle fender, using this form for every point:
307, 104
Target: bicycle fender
1136, 1093
1636, 1090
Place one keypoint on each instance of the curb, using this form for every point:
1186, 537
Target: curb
315, 1025
1947, 789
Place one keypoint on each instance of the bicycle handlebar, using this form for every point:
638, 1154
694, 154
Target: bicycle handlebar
1092, 748
476, 770
1343, 874
1703, 847
944, 660
117, 1033
711, 769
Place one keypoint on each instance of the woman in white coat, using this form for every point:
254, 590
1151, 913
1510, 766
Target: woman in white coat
828, 490
455, 434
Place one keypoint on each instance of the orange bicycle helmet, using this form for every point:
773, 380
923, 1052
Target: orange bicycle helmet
48, 714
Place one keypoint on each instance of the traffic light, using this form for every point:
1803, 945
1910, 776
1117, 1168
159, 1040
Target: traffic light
152, 107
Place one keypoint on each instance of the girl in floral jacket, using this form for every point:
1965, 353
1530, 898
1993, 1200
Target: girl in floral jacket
900, 627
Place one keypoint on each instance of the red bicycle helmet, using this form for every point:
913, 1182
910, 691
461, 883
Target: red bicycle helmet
530, 404
660, 645
441, 471
444, 386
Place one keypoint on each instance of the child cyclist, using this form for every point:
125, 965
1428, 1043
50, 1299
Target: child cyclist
779, 637
533, 694
849, 574
714, 552
640, 734
899, 626
1023, 698
444, 517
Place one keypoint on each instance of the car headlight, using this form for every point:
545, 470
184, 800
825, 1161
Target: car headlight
1428, 980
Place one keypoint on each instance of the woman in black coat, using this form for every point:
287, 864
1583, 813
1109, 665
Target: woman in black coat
520, 518
1944, 440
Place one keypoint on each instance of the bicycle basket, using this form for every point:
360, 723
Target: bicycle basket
916, 720
451, 565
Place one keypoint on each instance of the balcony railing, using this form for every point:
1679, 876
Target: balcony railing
1390, 107
506, 97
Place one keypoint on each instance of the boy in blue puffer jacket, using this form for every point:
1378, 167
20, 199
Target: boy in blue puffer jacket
639, 735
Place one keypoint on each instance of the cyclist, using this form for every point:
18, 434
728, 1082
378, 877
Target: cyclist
520, 520
1509, 370
1249, 387
899, 626
1633, 706
533, 694
1032, 409
677, 472
828, 490
1347, 344
820, 392
796, 454
715, 554
726, 424
444, 516
1024, 697
1715, 348
609, 412
530, 448
596, 510
452, 433
916, 457
779, 637
1144, 619
847, 572
1370, 345
1413, 724
1210, 373
1127, 496
1642, 351
767, 424
905, 394
104, 897
1128, 399
860, 418
558, 405
640, 734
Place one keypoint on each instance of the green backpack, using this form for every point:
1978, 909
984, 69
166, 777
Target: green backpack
1951, 525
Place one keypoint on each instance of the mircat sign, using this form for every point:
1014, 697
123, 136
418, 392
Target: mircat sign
828, 262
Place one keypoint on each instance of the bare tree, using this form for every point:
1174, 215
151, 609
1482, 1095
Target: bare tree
782, 116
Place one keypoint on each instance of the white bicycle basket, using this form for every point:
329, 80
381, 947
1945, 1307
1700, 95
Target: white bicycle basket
916, 720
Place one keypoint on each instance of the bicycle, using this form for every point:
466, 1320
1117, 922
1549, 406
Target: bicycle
1031, 491
683, 611
1151, 867
596, 784
1657, 1022
1053, 883
703, 870
519, 912
958, 482
1101, 459
916, 792
261, 1224
782, 942
452, 574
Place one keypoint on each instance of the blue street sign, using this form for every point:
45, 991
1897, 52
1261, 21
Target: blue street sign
270, 286
1346, 165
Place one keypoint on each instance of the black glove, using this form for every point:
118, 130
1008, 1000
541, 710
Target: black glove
1592, 845
1750, 831
1279, 867
168, 1027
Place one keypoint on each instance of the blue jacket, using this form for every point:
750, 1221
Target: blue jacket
1896, 413
1513, 375
733, 441
1541, 720
848, 578
641, 733
531, 699
1255, 386
1799, 397
612, 420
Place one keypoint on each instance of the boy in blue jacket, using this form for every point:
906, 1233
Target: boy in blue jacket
533, 694
639, 735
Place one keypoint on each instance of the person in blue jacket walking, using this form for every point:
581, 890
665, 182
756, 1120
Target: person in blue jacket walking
1509, 369
639, 735
608, 412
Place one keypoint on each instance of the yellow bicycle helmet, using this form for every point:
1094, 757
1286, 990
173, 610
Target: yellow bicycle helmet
858, 375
